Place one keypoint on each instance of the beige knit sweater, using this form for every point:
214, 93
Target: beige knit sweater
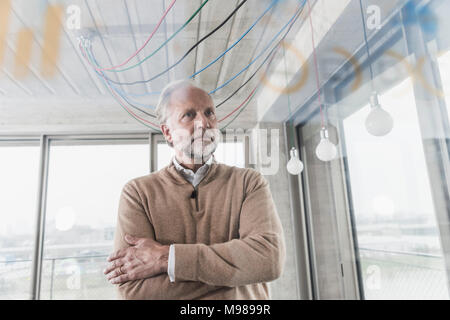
228, 241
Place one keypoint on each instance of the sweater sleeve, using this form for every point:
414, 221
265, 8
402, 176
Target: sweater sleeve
258, 254
133, 220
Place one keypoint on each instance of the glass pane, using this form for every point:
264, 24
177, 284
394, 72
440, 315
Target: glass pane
444, 68
18, 217
322, 215
230, 153
398, 235
82, 201
165, 154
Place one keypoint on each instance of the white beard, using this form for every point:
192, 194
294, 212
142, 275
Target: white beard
200, 150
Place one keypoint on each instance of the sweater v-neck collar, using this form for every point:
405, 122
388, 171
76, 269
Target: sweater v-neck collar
172, 173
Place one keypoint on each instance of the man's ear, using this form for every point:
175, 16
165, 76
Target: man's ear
166, 132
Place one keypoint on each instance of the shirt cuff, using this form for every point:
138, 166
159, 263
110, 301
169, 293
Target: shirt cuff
171, 263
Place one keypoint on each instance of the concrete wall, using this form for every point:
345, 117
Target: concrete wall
286, 286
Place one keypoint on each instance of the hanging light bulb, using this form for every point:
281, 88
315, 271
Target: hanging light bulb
325, 150
294, 165
379, 122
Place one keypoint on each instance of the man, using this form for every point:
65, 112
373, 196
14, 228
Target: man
195, 229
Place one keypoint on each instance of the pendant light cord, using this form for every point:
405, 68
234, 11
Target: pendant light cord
316, 65
366, 42
289, 99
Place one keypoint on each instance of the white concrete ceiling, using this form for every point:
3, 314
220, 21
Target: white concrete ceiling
74, 98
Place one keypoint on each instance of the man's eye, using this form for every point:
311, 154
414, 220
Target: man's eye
188, 114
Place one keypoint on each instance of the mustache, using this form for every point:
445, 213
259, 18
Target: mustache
208, 136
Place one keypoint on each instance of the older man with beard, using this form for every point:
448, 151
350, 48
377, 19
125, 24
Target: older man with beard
196, 229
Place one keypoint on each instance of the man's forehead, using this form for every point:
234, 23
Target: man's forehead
190, 96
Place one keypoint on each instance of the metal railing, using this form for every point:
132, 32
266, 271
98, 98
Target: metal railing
390, 274
80, 277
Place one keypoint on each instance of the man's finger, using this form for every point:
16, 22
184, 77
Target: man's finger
118, 254
113, 265
120, 279
130, 239
116, 272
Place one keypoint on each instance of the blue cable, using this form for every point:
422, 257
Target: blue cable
260, 54
122, 93
102, 77
212, 62
234, 44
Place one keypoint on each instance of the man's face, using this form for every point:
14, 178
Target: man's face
192, 124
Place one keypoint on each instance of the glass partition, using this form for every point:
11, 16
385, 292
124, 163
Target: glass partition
396, 223
18, 190
84, 186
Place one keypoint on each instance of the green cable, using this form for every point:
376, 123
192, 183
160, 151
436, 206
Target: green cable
138, 120
165, 42
254, 93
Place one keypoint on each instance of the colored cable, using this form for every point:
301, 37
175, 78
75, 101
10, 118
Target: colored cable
259, 55
139, 119
212, 62
246, 101
145, 43
251, 94
243, 69
271, 55
165, 42
297, 14
316, 65
366, 43
290, 23
198, 42
93, 62
122, 93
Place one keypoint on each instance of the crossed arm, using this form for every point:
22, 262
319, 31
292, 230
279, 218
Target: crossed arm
140, 263
144, 258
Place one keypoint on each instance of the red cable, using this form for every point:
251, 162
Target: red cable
145, 43
254, 89
251, 93
136, 116
112, 91
151, 123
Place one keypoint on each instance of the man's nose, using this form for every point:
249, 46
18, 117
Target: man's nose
202, 122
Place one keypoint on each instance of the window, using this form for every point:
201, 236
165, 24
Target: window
377, 215
85, 178
231, 153
165, 154
397, 230
18, 190
84, 186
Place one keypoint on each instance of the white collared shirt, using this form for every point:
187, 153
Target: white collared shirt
189, 175
193, 178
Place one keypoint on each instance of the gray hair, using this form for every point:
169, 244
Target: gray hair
164, 98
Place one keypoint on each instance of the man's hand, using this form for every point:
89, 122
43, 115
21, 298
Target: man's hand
145, 258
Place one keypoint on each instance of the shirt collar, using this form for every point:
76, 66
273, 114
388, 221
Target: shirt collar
179, 167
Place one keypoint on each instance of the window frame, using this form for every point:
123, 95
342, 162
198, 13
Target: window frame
66, 138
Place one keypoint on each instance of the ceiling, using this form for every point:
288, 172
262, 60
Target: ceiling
45, 84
